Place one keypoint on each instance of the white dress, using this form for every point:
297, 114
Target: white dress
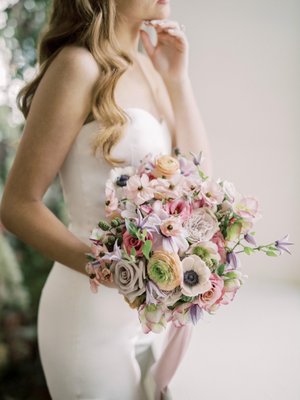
91, 346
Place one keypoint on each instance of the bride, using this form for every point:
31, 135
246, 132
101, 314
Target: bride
98, 102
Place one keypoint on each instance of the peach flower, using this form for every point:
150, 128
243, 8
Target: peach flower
166, 166
165, 270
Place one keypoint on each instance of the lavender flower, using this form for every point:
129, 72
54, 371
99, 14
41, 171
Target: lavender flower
114, 255
280, 244
195, 313
196, 159
232, 259
153, 293
250, 239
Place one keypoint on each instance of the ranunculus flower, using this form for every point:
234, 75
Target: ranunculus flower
207, 251
130, 278
130, 242
181, 315
165, 270
166, 166
153, 317
201, 225
195, 276
210, 297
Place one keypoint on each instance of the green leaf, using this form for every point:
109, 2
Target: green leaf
248, 250
133, 252
271, 253
90, 257
186, 299
147, 248
272, 248
131, 227
221, 269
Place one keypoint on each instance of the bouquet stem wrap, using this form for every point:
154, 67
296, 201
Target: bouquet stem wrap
162, 371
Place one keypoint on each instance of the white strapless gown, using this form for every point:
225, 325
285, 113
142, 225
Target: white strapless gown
91, 345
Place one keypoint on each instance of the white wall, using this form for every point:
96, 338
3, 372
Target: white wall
245, 65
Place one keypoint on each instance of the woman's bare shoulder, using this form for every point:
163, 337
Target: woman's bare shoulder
78, 60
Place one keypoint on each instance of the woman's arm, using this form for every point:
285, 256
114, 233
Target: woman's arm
58, 110
190, 133
170, 61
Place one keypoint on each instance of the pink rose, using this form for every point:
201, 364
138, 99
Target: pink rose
130, 242
210, 297
219, 240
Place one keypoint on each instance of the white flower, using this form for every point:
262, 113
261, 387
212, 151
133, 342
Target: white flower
195, 276
230, 191
202, 225
116, 172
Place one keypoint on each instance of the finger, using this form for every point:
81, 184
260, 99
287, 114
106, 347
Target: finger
147, 42
176, 33
165, 23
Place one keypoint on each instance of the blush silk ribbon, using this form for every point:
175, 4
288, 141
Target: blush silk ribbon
163, 369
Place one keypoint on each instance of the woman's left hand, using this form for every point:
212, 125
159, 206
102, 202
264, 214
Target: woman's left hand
170, 55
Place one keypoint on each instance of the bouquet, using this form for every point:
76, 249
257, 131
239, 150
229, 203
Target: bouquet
171, 240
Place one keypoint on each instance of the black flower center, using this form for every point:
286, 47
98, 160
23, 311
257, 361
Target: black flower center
191, 278
122, 180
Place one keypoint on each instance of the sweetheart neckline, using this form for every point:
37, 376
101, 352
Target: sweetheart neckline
161, 123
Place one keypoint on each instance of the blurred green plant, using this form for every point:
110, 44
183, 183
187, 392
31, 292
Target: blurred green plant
21, 22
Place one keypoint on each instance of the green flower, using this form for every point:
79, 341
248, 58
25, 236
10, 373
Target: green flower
165, 270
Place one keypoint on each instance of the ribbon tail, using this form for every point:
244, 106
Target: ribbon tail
174, 348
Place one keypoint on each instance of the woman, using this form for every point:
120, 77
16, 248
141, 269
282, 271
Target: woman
96, 93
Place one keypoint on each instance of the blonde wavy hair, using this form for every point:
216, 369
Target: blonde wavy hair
91, 24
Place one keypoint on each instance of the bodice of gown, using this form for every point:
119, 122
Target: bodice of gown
83, 176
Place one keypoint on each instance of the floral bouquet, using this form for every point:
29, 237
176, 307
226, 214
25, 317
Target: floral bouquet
171, 240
